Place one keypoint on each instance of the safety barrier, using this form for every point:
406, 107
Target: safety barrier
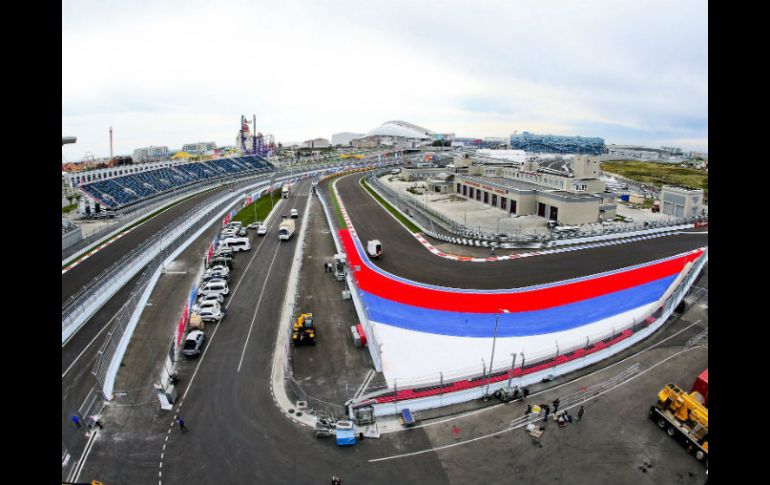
458, 386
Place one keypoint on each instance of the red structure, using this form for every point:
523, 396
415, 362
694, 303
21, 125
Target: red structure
701, 385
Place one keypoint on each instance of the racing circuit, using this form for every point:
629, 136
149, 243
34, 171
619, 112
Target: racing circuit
430, 314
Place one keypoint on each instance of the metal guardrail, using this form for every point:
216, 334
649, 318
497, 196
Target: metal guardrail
570, 400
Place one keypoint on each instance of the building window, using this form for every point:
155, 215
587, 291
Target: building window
503, 203
494, 200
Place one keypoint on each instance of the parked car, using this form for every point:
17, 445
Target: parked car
214, 276
210, 297
193, 344
242, 231
294, 213
222, 260
206, 305
262, 230
219, 268
254, 225
223, 250
211, 314
217, 286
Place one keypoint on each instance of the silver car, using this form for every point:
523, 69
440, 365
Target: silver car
193, 344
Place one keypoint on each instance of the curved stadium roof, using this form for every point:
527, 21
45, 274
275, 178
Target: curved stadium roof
401, 129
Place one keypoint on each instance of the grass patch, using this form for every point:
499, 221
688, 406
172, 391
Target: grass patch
658, 174
69, 208
337, 210
259, 209
409, 224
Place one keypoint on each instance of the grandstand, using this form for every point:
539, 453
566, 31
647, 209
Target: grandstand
119, 192
557, 144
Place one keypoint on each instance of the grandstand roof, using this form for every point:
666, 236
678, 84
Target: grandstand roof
402, 129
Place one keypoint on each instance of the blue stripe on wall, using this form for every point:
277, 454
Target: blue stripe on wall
522, 324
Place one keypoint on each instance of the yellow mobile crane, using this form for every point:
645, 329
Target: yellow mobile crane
684, 418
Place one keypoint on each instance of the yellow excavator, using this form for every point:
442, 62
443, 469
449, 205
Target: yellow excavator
684, 418
303, 331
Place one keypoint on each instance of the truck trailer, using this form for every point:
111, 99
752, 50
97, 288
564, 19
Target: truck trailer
286, 229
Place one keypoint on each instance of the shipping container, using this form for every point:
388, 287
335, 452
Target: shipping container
701, 386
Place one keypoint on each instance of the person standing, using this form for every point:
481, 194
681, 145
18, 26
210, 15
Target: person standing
181, 424
76, 420
529, 409
555, 405
580, 414
547, 410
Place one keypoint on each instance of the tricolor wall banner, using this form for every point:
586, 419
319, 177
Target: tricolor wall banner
182, 324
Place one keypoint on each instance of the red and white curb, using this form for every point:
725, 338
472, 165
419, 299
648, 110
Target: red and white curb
95, 250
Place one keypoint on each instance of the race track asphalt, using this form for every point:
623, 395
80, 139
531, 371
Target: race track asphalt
404, 256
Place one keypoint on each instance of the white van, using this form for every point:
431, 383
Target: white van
217, 287
236, 243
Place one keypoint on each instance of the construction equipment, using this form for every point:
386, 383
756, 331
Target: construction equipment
303, 331
507, 394
684, 418
339, 266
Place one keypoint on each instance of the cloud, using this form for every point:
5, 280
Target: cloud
176, 72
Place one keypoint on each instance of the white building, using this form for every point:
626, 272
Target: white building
150, 153
402, 134
316, 143
518, 156
345, 138
201, 147
681, 201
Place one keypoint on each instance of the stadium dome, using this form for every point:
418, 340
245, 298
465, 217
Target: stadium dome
402, 129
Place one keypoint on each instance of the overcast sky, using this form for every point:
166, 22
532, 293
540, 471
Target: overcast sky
175, 72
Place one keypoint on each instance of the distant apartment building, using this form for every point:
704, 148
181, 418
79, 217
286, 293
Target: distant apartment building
366, 142
634, 152
201, 147
150, 153
345, 139
316, 143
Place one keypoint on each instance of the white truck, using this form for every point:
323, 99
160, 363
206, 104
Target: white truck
374, 248
286, 229
285, 190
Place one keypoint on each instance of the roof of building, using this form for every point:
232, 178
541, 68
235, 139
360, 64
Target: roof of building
402, 129
521, 186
